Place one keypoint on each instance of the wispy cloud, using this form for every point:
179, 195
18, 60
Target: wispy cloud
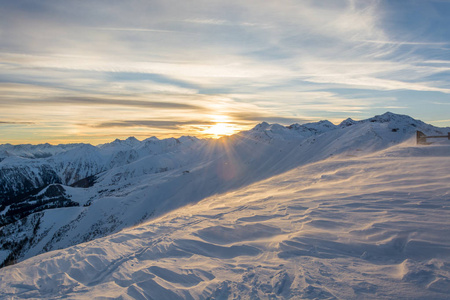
207, 21
16, 123
133, 29
252, 117
441, 121
119, 102
363, 82
404, 43
226, 23
25, 94
150, 123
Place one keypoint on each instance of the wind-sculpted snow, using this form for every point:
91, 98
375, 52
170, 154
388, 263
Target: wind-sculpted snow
126, 182
366, 227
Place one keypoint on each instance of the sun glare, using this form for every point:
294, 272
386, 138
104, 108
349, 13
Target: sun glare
220, 129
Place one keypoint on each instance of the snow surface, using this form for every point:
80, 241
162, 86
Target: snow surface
324, 211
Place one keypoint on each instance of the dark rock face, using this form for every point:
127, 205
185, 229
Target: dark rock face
18, 182
52, 196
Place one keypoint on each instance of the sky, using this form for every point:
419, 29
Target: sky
93, 71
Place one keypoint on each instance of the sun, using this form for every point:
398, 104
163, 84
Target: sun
220, 129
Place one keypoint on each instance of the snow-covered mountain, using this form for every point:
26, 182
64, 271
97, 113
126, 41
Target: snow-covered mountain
354, 212
76, 193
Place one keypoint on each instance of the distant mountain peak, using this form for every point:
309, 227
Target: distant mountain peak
395, 119
347, 122
151, 139
261, 126
132, 139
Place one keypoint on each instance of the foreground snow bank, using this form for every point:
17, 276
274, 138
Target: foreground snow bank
372, 227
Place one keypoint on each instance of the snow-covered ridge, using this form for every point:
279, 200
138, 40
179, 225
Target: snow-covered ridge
123, 183
74, 162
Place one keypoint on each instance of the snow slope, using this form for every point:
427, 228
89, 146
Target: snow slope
370, 226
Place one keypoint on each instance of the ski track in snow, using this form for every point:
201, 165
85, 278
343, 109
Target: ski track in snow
369, 227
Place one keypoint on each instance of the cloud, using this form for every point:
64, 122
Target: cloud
225, 23
401, 43
120, 102
207, 21
16, 123
133, 29
26, 94
250, 117
441, 121
312, 104
365, 82
162, 124
226, 68
380, 75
